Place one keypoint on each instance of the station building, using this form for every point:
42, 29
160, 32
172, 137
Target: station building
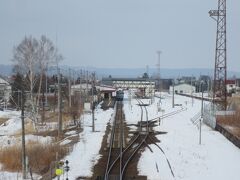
146, 85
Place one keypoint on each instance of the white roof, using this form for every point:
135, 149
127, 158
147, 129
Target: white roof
106, 88
101, 88
2, 81
183, 84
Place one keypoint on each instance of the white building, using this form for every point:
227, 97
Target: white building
183, 88
231, 86
5, 91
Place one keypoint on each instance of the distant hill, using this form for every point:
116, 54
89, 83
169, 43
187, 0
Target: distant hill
6, 70
164, 73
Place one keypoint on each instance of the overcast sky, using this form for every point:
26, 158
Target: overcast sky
123, 33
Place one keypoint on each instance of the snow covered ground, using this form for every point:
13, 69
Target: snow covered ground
85, 154
215, 158
13, 124
9, 135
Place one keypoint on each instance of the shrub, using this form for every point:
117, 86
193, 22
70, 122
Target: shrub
39, 156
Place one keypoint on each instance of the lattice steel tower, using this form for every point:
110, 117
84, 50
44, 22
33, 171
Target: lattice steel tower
220, 70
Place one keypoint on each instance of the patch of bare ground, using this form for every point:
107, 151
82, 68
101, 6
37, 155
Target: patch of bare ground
100, 167
3, 120
231, 123
69, 146
39, 156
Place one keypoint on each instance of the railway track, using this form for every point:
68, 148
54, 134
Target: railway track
119, 158
154, 120
120, 153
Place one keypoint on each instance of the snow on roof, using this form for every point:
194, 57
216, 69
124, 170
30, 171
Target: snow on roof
82, 86
3, 81
106, 88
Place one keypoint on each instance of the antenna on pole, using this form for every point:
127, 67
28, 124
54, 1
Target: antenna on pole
220, 70
147, 70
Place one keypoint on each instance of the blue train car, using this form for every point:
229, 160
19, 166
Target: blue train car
119, 95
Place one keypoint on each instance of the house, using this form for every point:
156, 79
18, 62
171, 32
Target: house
183, 88
231, 86
187, 79
5, 91
163, 84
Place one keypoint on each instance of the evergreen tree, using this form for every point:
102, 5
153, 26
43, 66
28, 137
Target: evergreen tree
18, 89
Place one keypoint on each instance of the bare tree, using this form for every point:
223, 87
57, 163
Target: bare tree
32, 58
46, 57
25, 59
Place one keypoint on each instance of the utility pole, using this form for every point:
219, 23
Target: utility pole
93, 103
24, 167
43, 104
74, 79
192, 89
173, 103
46, 101
80, 89
59, 105
220, 70
147, 70
200, 123
158, 66
69, 89
87, 88
18, 91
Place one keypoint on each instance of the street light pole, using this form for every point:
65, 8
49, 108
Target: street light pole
173, 103
158, 65
93, 103
59, 105
23, 136
200, 125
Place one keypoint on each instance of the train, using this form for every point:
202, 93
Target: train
119, 95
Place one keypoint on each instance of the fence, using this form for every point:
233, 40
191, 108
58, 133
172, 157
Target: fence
210, 113
209, 117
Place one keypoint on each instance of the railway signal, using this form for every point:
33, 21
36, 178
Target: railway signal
67, 168
61, 169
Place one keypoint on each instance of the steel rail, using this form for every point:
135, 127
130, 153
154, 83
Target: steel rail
167, 115
169, 165
110, 147
121, 154
144, 139
122, 167
121, 143
124, 151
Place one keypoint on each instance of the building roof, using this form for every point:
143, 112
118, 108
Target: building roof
3, 81
127, 79
230, 82
106, 88
183, 84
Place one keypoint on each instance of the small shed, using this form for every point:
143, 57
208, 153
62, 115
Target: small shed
183, 88
107, 92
